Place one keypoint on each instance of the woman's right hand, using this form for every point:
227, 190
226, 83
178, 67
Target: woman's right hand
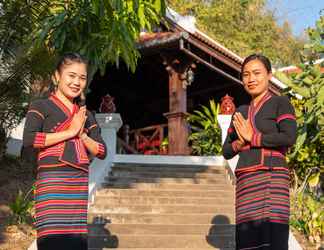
78, 121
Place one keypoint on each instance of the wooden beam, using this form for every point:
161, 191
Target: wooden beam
218, 55
188, 52
274, 89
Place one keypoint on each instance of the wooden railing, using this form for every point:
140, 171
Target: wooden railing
148, 140
124, 148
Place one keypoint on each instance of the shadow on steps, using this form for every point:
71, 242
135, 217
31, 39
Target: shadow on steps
107, 241
220, 241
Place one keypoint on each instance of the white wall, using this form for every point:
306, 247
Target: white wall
15, 139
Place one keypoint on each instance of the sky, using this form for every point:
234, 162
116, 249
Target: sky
301, 14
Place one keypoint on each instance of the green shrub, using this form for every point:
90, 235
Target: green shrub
308, 216
205, 136
21, 207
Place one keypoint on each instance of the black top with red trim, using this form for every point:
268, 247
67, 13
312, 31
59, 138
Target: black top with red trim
274, 130
49, 116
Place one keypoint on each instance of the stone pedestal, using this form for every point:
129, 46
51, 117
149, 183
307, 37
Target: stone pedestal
109, 123
224, 122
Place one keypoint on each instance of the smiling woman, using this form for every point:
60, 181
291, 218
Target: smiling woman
65, 133
261, 133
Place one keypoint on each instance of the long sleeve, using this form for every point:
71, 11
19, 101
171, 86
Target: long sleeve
231, 145
94, 133
33, 131
285, 136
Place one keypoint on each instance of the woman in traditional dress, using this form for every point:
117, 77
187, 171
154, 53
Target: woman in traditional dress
66, 134
260, 133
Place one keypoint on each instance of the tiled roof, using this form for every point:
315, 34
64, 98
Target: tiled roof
144, 36
294, 69
216, 45
147, 40
175, 18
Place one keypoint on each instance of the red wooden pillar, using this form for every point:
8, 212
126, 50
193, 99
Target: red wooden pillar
177, 125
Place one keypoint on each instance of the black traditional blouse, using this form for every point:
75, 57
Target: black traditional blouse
49, 116
274, 130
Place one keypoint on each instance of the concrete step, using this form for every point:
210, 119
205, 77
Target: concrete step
215, 248
134, 179
166, 193
140, 218
142, 207
168, 168
142, 229
183, 186
166, 174
153, 200
165, 209
161, 241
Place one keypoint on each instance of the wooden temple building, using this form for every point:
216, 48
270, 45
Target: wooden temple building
180, 69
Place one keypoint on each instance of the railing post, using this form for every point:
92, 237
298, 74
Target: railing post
126, 133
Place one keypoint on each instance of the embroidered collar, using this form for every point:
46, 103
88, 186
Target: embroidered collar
263, 100
254, 110
62, 106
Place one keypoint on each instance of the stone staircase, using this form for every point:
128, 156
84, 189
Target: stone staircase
163, 207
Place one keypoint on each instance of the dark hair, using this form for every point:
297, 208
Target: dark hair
263, 59
69, 58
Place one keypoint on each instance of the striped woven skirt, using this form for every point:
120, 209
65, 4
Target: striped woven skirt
262, 209
61, 202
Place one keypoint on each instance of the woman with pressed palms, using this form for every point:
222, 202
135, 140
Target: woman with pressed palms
260, 133
65, 134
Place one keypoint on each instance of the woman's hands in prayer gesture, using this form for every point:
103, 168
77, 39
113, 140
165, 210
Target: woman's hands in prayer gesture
78, 121
243, 128
75, 128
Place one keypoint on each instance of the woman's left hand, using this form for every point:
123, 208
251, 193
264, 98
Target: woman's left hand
243, 127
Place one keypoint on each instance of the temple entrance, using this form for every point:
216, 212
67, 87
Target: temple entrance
143, 98
180, 69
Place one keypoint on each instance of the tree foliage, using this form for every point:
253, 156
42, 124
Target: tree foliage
14, 78
102, 31
314, 49
244, 26
309, 84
